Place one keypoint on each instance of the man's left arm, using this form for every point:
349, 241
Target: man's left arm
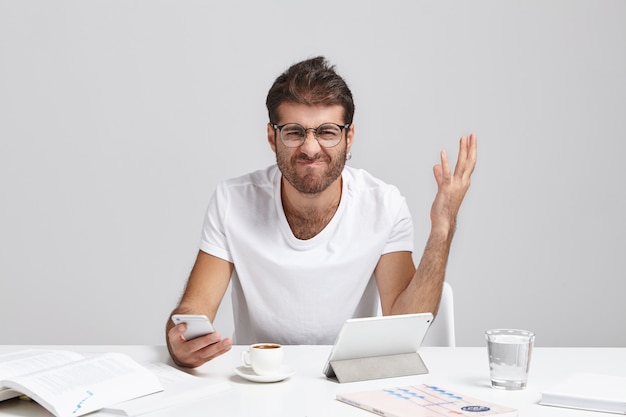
405, 289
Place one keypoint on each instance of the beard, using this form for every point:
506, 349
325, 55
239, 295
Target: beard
311, 182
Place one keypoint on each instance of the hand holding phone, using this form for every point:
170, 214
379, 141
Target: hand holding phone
197, 325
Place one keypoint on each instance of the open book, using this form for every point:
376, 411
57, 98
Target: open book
69, 385
422, 401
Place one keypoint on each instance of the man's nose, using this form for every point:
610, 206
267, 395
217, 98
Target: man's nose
310, 146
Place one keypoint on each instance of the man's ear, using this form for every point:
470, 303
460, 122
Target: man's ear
349, 137
271, 136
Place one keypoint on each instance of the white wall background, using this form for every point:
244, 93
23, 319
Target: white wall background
118, 118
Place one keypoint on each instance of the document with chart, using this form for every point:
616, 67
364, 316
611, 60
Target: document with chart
422, 401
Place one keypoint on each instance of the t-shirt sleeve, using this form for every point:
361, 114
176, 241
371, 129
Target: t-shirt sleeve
401, 236
213, 238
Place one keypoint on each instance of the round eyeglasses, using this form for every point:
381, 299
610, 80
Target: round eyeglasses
327, 135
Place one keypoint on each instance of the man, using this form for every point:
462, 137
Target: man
310, 242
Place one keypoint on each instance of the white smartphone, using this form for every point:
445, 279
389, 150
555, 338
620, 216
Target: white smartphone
197, 325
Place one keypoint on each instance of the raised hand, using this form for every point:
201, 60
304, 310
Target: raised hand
452, 186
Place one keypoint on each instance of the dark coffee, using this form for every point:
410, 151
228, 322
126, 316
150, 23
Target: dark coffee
268, 346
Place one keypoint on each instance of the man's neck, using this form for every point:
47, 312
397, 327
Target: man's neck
309, 214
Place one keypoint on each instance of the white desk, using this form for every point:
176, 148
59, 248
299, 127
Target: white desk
308, 393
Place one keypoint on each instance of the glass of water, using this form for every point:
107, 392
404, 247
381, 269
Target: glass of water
509, 357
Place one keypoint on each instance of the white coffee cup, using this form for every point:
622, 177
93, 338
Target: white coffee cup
263, 358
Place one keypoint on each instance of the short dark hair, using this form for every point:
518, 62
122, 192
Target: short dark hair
312, 82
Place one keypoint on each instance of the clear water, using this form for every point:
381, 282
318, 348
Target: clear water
509, 362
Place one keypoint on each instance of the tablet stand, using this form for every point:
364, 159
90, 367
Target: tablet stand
388, 366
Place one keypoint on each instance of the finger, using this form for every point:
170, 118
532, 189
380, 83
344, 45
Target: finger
176, 332
461, 161
201, 342
473, 149
222, 347
469, 160
195, 352
215, 349
438, 174
469, 157
445, 166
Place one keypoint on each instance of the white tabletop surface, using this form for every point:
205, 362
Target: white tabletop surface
309, 393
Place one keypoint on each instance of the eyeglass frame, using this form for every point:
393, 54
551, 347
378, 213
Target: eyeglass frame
306, 130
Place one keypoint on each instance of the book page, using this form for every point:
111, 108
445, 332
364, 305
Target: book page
87, 385
179, 388
26, 361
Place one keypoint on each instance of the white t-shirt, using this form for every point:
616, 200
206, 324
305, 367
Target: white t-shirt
293, 291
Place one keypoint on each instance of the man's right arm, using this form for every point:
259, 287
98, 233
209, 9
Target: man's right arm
203, 294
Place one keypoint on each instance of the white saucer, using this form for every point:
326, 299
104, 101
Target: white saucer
283, 373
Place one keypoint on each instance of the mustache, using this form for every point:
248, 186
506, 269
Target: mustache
306, 158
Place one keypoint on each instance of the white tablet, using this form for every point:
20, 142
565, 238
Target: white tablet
378, 336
